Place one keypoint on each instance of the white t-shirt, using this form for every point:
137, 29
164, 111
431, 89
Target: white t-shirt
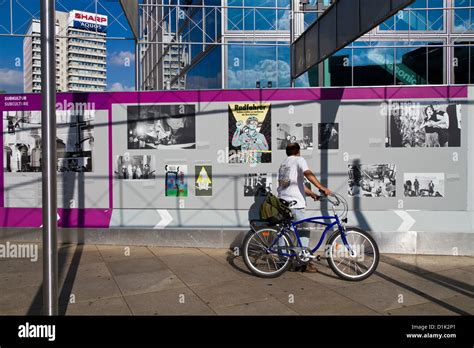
291, 180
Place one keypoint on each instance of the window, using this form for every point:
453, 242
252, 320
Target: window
251, 63
463, 63
463, 16
256, 16
206, 74
373, 66
422, 15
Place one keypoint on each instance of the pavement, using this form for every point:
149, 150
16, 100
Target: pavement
121, 280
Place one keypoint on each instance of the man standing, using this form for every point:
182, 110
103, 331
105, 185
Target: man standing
291, 187
431, 188
416, 185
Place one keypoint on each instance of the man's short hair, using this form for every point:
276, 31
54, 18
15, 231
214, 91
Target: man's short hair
292, 149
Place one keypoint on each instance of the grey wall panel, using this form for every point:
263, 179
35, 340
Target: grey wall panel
362, 129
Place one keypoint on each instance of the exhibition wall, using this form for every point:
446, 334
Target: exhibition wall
402, 157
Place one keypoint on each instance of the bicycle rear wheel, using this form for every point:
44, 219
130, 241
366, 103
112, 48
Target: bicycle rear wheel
358, 264
259, 259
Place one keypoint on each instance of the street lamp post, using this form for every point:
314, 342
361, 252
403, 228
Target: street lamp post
48, 129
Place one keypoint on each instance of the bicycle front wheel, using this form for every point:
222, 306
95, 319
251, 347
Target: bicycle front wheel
357, 264
257, 255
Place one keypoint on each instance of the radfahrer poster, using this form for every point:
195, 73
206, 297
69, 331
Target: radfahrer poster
250, 133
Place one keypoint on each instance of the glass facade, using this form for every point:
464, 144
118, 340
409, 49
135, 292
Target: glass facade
464, 62
267, 65
430, 42
422, 15
463, 16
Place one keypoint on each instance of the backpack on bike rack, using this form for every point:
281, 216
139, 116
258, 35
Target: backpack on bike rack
273, 210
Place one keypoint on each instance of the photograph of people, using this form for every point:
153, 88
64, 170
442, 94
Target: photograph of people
134, 167
436, 125
421, 125
372, 180
161, 126
329, 136
257, 184
299, 133
424, 185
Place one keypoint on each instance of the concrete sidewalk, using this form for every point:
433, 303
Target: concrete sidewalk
120, 280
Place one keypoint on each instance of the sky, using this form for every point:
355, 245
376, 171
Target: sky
120, 75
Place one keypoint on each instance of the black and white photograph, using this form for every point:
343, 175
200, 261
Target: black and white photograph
328, 136
423, 184
257, 184
423, 125
161, 127
22, 141
376, 180
301, 133
136, 167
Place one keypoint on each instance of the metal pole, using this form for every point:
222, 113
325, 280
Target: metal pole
137, 66
292, 58
48, 129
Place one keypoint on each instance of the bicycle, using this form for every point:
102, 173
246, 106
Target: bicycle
351, 252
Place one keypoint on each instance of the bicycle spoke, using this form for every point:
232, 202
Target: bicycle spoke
362, 260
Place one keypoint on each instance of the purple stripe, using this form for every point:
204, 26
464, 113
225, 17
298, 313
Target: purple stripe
32, 217
111, 168
103, 101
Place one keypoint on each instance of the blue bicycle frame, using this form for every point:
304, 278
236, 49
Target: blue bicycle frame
320, 220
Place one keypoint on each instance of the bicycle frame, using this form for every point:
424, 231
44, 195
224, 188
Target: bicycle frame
320, 220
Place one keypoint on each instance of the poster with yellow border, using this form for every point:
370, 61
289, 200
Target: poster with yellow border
250, 133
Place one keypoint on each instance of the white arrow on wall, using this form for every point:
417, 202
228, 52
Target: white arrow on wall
165, 217
408, 221
58, 218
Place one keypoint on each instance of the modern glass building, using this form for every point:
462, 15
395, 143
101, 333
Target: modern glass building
212, 44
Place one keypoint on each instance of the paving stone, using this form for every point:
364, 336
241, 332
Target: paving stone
20, 265
87, 270
130, 266
268, 307
139, 283
313, 301
381, 296
203, 274
422, 309
461, 303
111, 253
423, 284
18, 280
108, 306
168, 302
88, 289
229, 293
28, 297
427, 263
168, 251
